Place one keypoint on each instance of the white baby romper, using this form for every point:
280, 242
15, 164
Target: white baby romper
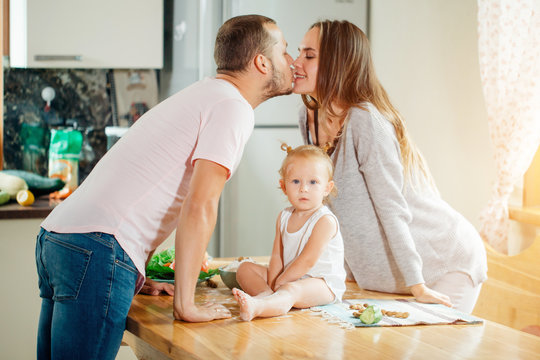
329, 266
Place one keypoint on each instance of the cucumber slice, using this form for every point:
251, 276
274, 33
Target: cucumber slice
371, 315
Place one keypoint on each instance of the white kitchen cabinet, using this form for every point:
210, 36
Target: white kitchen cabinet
20, 303
86, 34
19, 306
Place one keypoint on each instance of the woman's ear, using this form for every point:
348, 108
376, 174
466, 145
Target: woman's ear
329, 187
261, 63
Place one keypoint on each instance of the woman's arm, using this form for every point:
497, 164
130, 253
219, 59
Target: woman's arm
379, 162
276, 260
323, 231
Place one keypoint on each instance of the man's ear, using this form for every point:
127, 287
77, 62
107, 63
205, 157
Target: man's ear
262, 63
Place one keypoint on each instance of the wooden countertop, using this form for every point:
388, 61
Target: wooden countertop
39, 209
153, 333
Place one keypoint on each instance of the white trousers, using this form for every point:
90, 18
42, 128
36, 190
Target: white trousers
460, 288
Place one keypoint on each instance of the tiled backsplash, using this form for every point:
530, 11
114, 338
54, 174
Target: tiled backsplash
81, 97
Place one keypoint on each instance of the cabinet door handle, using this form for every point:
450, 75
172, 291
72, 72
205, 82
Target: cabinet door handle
58, 57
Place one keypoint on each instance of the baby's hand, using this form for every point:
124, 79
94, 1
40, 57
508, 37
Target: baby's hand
278, 283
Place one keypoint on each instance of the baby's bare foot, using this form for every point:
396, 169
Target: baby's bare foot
247, 304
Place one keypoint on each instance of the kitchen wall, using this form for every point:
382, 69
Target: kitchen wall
81, 97
426, 57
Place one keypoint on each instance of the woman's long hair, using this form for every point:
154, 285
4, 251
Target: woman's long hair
346, 78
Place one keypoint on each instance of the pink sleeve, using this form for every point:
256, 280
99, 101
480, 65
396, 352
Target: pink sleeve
224, 131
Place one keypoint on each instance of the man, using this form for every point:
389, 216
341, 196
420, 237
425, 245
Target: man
167, 172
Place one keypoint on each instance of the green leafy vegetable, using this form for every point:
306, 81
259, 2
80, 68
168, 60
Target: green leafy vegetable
158, 267
207, 275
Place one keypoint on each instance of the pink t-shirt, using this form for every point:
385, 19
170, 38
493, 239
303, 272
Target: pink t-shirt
136, 190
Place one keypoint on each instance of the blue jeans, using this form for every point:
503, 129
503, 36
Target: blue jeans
86, 283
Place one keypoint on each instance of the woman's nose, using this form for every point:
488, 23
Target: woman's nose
296, 63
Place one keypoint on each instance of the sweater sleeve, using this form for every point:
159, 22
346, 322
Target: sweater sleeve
379, 159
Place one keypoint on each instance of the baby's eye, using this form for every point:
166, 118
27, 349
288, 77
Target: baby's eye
295, 181
313, 182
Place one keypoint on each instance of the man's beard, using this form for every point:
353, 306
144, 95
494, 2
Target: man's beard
276, 86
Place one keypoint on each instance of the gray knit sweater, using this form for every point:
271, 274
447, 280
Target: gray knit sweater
394, 236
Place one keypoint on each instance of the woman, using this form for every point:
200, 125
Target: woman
399, 235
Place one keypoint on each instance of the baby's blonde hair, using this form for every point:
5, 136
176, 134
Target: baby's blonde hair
308, 152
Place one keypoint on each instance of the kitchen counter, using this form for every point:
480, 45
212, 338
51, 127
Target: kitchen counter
39, 209
153, 333
19, 310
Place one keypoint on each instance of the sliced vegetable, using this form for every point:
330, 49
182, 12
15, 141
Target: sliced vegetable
371, 315
205, 266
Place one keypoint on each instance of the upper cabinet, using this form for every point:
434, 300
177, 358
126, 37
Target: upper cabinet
86, 34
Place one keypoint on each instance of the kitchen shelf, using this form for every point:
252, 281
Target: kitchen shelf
39, 209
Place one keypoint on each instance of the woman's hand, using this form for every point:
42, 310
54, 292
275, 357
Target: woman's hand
152, 287
424, 294
206, 312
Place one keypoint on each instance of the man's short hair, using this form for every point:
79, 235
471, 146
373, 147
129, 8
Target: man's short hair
239, 40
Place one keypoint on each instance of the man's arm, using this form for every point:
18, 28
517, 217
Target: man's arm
195, 226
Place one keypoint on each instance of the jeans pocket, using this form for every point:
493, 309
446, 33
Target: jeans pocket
127, 266
66, 265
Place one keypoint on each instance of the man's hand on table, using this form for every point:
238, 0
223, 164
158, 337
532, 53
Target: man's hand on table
152, 287
424, 294
206, 312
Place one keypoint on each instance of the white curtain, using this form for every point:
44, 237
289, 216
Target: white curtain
509, 52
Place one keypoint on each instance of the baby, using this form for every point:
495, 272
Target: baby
306, 266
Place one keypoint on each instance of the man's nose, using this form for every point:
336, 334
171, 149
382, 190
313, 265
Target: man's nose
290, 60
